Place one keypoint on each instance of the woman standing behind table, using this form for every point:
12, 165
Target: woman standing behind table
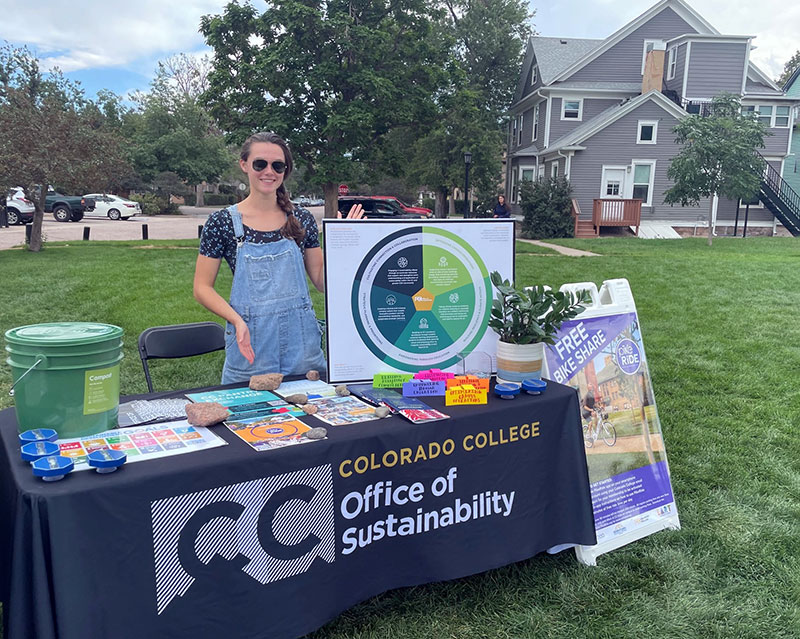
269, 246
501, 209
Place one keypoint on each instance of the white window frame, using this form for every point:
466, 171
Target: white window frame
535, 134
775, 117
580, 109
554, 169
519, 129
534, 74
672, 63
540, 175
755, 110
644, 49
654, 124
629, 184
513, 190
514, 131
516, 178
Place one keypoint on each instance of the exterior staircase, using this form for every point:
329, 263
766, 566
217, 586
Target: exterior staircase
583, 228
782, 201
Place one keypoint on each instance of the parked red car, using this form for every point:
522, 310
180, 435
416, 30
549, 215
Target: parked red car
419, 210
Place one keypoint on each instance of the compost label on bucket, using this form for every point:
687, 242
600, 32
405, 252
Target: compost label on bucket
101, 390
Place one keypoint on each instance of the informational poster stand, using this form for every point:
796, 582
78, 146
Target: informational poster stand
409, 296
601, 354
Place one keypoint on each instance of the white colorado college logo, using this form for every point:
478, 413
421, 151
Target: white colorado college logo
275, 526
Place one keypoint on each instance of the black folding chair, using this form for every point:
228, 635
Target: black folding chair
179, 340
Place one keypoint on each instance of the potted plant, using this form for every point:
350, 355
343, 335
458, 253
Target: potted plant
526, 320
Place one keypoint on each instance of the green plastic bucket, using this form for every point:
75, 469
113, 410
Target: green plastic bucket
66, 376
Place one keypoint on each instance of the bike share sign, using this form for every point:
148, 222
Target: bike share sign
601, 354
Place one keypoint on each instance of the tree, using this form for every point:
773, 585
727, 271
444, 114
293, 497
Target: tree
789, 68
51, 134
488, 40
718, 156
333, 78
173, 132
547, 207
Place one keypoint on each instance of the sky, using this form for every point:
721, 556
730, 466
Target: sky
116, 45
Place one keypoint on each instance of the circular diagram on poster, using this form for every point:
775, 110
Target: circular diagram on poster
420, 297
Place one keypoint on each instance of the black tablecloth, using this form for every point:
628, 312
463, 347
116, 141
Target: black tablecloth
237, 543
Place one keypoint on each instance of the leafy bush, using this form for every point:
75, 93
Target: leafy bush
190, 199
155, 205
429, 203
547, 208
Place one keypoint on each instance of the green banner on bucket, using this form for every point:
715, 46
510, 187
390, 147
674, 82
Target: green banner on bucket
101, 390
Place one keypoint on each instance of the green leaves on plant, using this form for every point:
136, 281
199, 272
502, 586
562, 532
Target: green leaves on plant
531, 315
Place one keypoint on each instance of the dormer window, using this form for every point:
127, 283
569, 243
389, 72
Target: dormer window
571, 109
672, 62
534, 74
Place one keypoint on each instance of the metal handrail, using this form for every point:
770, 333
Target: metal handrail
778, 185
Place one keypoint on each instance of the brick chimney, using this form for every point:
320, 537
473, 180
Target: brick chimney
653, 77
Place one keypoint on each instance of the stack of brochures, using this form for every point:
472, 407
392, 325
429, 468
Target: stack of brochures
413, 409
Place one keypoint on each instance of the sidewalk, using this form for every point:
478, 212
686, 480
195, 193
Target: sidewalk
159, 227
564, 250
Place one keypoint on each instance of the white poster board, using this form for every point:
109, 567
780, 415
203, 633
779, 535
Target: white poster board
410, 296
601, 354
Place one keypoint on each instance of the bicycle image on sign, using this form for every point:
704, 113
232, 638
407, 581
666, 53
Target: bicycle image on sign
620, 426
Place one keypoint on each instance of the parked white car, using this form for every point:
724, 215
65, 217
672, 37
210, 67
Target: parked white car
112, 207
19, 208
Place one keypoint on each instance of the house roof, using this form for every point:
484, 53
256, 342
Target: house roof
679, 6
627, 87
610, 115
553, 55
792, 86
560, 58
529, 150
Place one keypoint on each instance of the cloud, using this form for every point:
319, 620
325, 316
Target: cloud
88, 34
94, 34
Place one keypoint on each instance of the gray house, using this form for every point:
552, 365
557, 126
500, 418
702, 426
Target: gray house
602, 113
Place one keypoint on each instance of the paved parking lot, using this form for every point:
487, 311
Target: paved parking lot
160, 227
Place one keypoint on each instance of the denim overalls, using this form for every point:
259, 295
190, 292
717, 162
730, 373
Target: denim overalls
270, 293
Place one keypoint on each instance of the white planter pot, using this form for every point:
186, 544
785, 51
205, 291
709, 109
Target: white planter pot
516, 362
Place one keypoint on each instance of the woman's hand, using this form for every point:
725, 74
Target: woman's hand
356, 212
243, 341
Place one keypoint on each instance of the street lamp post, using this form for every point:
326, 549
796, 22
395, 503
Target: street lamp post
467, 162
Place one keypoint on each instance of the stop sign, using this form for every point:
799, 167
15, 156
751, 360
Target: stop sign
343, 190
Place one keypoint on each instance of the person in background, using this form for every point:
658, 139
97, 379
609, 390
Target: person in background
270, 246
501, 209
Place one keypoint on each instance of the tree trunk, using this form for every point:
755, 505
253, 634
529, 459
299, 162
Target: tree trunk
199, 190
331, 193
441, 201
451, 203
38, 217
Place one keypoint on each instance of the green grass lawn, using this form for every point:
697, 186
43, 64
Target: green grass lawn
723, 344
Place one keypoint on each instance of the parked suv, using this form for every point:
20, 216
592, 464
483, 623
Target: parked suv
19, 208
378, 209
420, 210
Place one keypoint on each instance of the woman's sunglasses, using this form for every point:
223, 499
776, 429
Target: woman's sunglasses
277, 165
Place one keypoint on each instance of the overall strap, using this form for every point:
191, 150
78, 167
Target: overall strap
238, 227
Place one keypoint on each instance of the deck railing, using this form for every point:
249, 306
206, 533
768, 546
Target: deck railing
617, 212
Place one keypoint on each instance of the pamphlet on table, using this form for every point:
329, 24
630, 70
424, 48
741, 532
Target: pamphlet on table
244, 402
142, 442
270, 432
